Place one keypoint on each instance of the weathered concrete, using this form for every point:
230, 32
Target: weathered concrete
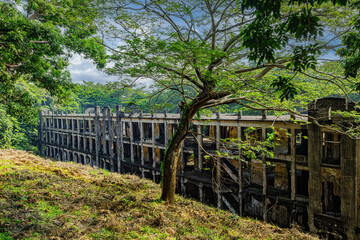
313, 182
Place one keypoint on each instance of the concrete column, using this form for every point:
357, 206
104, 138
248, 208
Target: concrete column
111, 130
293, 163
240, 173
357, 183
166, 129
91, 151
201, 193
62, 139
78, 125
98, 136
89, 124
182, 160
348, 187
218, 163
78, 142
119, 138
314, 159
264, 180
141, 144
131, 139
73, 134
103, 130
40, 135
85, 142
263, 114
199, 165
183, 186
52, 126
153, 141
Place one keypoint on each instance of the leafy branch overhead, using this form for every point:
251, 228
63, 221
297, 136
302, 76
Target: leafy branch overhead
37, 39
284, 86
264, 55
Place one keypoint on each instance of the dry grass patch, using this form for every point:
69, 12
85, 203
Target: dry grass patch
42, 199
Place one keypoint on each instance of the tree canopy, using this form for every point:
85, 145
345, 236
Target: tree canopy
267, 55
37, 39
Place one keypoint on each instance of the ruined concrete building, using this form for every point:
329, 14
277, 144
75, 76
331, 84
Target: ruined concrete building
312, 180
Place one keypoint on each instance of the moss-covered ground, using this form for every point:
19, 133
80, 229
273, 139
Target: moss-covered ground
43, 199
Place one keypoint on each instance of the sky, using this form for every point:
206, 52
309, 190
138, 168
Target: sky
82, 69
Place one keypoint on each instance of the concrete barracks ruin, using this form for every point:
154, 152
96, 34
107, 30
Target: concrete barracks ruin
312, 180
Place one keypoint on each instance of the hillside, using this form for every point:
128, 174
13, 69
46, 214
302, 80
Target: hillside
42, 199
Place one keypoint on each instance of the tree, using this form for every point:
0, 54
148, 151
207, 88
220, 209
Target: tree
37, 39
259, 54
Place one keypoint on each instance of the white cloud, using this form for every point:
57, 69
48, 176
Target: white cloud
82, 69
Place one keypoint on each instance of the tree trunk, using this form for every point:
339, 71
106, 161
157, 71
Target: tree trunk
173, 151
171, 160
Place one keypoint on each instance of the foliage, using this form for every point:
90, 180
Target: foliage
250, 146
258, 54
111, 94
37, 38
16, 133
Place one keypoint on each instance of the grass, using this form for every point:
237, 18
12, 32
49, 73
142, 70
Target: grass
42, 199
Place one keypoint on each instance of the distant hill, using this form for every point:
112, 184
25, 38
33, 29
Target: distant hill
42, 199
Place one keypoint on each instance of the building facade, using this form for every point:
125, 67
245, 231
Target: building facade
311, 180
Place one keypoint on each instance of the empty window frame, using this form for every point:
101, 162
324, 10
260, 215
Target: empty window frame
282, 141
331, 148
331, 201
147, 131
302, 183
301, 142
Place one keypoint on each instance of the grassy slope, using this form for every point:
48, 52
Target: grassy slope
41, 199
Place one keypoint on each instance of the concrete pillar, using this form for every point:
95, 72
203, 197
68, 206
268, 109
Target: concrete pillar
166, 128
293, 163
78, 125
199, 164
218, 163
153, 141
98, 136
131, 139
40, 135
357, 183
264, 180
103, 130
314, 159
111, 132
141, 144
85, 142
91, 151
182, 160
263, 114
240, 173
183, 186
78, 142
119, 138
239, 114
201, 192
348, 187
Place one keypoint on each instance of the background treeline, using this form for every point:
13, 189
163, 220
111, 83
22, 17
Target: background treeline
21, 133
